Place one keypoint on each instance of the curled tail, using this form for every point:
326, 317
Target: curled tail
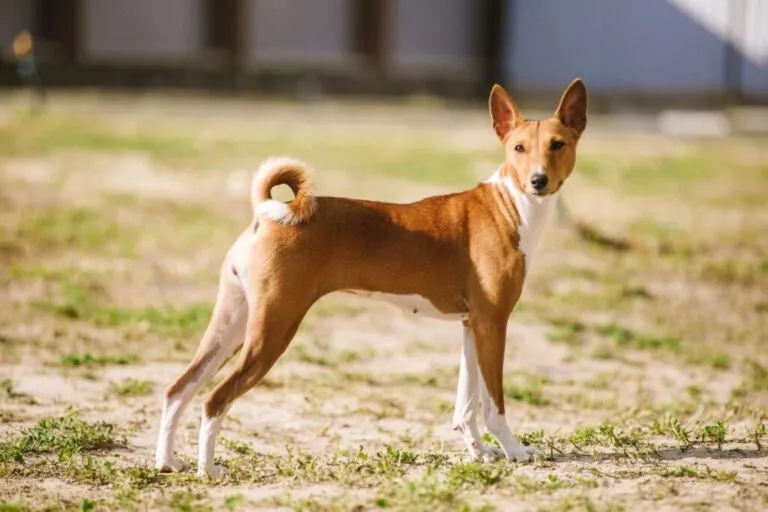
283, 171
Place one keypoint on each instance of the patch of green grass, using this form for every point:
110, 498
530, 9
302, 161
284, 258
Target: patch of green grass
71, 228
347, 468
582, 504
6, 388
429, 492
475, 474
88, 360
623, 336
707, 356
566, 331
131, 387
189, 501
530, 392
64, 435
527, 485
79, 303
692, 472
412, 158
736, 272
16, 506
757, 376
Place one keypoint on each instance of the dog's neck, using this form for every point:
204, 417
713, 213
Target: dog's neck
534, 212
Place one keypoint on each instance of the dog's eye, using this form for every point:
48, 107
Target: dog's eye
556, 144
519, 148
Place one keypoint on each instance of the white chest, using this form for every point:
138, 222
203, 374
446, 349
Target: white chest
534, 214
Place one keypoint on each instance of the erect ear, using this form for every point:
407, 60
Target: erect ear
503, 112
572, 111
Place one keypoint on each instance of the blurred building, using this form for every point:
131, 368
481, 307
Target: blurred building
697, 50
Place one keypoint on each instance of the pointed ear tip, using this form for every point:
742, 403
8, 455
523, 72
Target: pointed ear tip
579, 82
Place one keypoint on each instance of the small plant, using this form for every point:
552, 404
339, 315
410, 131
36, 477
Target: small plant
714, 433
758, 432
670, 426
131, 387
583, 436
6, 388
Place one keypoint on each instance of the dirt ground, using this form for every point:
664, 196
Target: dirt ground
636, 360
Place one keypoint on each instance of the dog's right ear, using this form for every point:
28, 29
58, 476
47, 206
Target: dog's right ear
503, 112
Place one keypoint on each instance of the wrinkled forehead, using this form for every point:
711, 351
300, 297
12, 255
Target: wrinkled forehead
541, 130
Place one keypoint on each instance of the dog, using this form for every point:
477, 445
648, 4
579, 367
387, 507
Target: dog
460, 257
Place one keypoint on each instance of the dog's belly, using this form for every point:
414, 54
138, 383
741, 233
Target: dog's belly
412, 304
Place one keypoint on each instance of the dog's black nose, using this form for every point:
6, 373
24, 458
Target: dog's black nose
539, 181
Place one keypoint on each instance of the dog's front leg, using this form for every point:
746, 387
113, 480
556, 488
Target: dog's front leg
467, 402
491, 340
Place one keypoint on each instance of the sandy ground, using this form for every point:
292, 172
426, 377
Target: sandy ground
631, 339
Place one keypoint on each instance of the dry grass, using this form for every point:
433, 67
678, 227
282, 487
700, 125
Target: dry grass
636, 359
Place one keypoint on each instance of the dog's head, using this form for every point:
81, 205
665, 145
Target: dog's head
540, 154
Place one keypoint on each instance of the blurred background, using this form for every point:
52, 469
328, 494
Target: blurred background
129, 131
701, 52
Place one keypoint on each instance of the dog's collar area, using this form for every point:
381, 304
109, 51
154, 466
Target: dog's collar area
533, 211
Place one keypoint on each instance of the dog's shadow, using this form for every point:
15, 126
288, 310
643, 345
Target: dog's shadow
667, 454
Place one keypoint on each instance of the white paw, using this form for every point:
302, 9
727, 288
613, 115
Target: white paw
524, 454
214, 472
491, 453
481, 452
171, 464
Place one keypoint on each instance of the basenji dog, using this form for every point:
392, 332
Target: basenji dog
460, 257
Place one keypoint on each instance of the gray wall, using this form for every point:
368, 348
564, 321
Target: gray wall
432, 33
291, 32
15, 16
146, 30
644, 46
754, 68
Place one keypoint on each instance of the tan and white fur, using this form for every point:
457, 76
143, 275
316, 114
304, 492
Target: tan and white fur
460, 257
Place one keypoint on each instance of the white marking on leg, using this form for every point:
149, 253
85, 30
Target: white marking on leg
209, 431
229, 336
467, 398
164, 456
497, 426
467, 402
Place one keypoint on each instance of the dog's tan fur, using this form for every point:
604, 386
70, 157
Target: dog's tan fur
461, 252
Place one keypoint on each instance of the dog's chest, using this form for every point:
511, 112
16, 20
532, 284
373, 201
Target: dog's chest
412, 304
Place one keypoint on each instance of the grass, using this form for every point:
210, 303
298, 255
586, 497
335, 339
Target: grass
654, 296
80, 303
530, 391
130, 388
64, 436
176, 145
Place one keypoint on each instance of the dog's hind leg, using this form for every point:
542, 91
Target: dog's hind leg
270, 329
225, 333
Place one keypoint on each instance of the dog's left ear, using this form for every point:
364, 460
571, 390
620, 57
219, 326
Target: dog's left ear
572, 111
